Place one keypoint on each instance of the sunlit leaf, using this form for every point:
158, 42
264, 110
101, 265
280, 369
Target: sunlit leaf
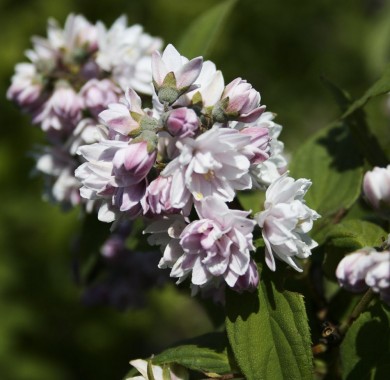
269, 333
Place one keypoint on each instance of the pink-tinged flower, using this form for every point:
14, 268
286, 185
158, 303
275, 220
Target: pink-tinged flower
210, 165
157, 200
183, 73
100, 181
217, 245
239, 102
365, 269
26, 87
62, 111
259, 148
149, 371
352, 270
211, 86
78, 35
118, 116
98, 94
182, 122
378, 275
376, 189
126, 52
248, 281
286, 221
133, 163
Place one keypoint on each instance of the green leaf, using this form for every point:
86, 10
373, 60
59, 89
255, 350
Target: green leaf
269, 333
380, 87
207, 354
365, 350
204, 32
330, 161
348, 237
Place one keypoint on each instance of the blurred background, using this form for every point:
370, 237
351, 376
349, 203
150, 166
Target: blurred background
281, 47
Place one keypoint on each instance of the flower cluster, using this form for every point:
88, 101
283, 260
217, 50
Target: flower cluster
73, 75
366, 268
180, 165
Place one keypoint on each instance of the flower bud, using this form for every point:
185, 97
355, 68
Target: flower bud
376, 188
173, 74
133, 163
352, 270
239, 102
97, 95
182, 122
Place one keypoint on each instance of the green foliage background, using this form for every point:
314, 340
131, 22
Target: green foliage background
281, 47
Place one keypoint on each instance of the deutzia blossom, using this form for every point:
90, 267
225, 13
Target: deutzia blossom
285, 222
216, 246
74, 73
210, 165
365, 269
126, 52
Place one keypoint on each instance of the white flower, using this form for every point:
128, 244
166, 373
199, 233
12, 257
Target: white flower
286, 221
173, 372
376, 188
366, 268
126, 51
210, 165
217, 245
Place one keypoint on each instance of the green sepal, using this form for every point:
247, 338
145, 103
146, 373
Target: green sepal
150, 371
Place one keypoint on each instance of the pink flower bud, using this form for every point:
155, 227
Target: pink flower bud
157, 199
352, 269
133, 163
97, 95
376, 188
182, 122
62, 111
244, 101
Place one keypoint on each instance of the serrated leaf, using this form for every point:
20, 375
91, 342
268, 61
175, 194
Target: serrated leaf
330, 161
207, 354
269, 333
365, 350
348, 237
204, 32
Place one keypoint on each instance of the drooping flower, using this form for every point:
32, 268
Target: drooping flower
216, 246
365, 269
210, 165
285, 222
376, 188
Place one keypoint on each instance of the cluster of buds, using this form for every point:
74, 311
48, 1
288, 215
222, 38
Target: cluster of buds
180, 164
364, 269
73, 75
